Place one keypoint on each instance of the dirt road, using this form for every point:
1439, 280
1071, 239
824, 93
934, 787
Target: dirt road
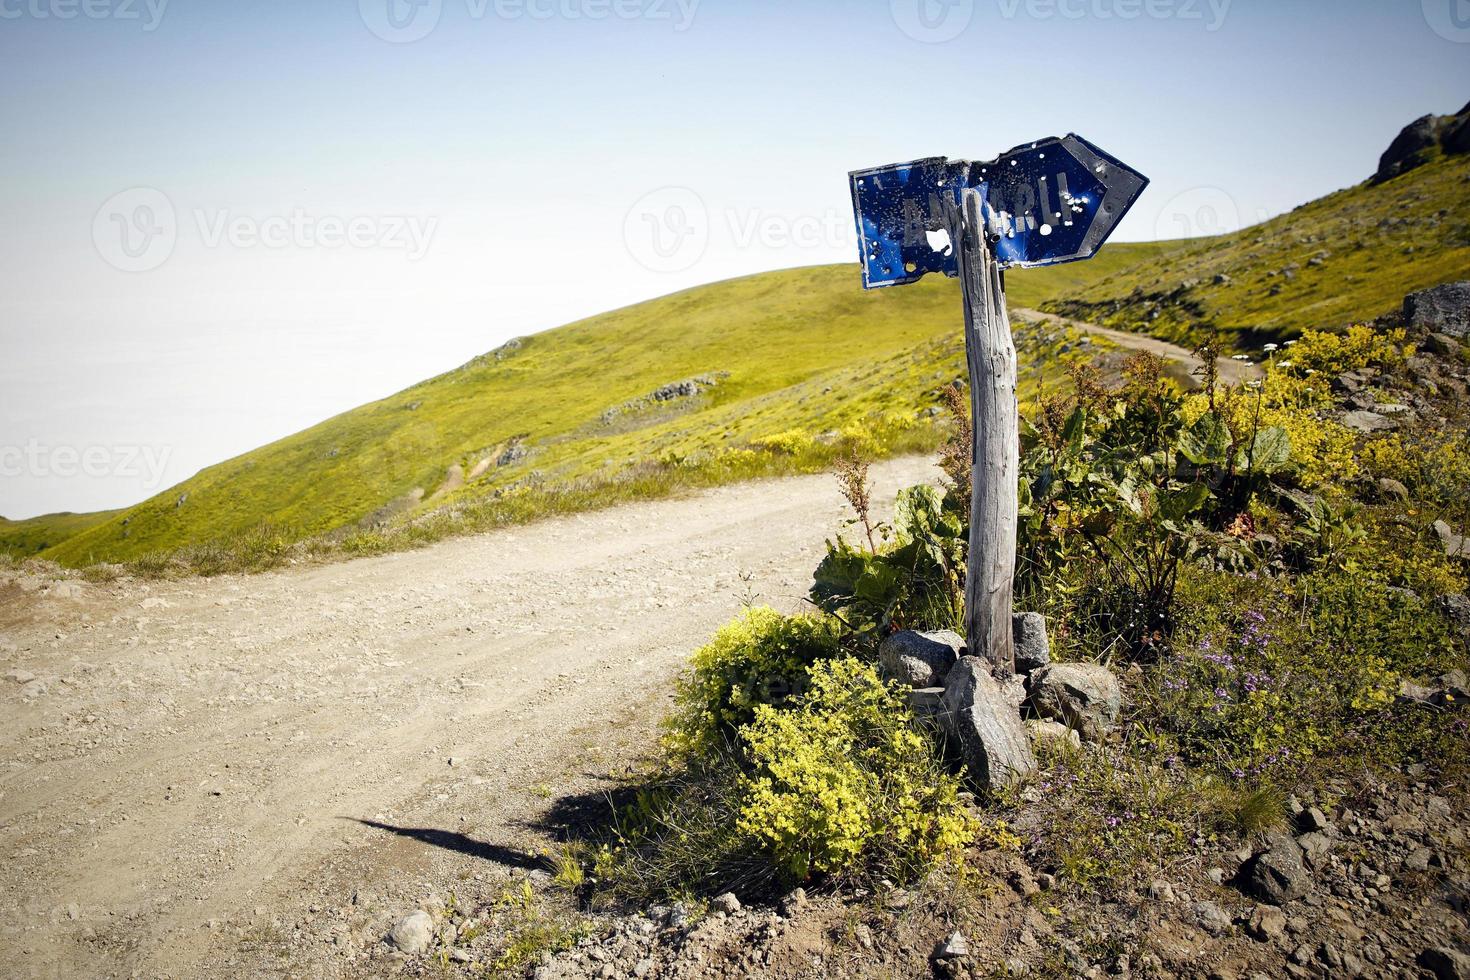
186, 766
1231, 371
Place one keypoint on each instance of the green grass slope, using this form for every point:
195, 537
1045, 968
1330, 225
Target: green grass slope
793, 354
1352, 255
35, 534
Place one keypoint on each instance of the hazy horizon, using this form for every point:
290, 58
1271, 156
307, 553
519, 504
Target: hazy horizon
224, 224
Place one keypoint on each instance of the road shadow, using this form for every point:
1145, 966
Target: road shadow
462, 844
586, 816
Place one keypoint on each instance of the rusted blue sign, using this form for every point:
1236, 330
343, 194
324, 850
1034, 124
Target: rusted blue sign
1048, 202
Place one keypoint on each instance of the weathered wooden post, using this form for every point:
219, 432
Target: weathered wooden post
1048, 202
990, 352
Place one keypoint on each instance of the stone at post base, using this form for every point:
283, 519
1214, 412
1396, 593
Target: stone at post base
1083, 696
1028, 635
920, 659
981, 717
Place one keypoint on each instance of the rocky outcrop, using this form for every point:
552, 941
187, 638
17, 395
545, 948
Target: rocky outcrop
1444, 309
1421, 141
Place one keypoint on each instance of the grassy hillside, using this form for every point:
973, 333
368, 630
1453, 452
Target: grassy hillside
785, 366
35, 534
770, 373
1349, 256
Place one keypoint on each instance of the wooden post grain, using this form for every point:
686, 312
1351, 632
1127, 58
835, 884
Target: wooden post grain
991, 353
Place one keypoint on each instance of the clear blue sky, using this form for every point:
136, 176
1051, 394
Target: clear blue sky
347, 214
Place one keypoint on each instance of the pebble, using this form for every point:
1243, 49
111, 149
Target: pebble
726, 902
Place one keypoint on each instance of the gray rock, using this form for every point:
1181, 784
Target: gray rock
413, 933
1277, 875
926, 701
1267, 924
1390, 487
1443, 309
1316, 847
1211, 918
952, 948
1367, 422
1085, 696
1445, 963
1455, 545
1457, 607
920, 659
1442, 344
1045, 730
985, 724
1028, 635
726, 902
1161, 891
1313, 819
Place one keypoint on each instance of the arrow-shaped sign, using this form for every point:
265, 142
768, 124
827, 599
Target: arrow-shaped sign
1053, 201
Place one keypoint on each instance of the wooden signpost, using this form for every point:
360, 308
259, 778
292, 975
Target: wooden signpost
1053, 201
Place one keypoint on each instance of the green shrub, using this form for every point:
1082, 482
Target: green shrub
1279, 674
838, 780
761, 658
914, 581
843, 780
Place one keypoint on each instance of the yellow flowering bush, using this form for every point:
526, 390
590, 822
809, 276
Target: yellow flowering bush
760, 658
1359, 347
841, 778
792, 442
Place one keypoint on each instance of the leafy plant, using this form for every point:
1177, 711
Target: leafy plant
913, 581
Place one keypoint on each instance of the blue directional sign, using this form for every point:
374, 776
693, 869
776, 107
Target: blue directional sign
1048, 202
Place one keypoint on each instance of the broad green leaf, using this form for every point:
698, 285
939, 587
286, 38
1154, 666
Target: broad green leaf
1207, 441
